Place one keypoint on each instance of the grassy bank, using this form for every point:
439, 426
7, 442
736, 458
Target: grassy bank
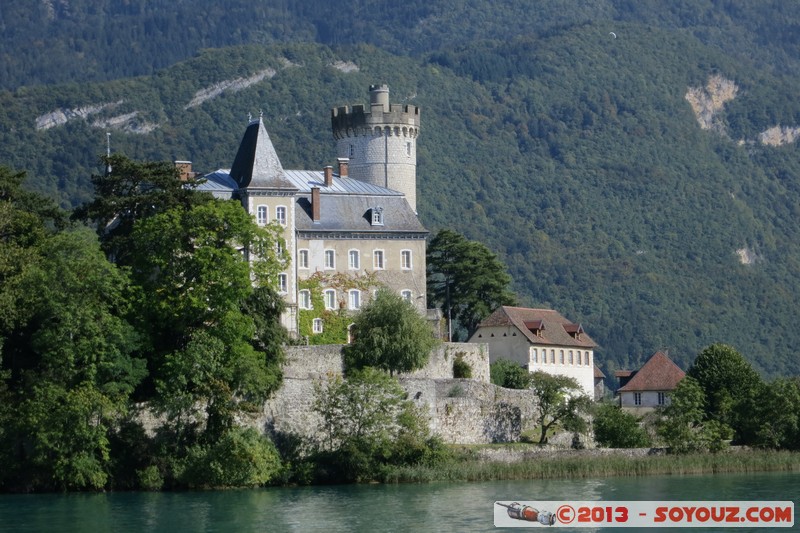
464, 467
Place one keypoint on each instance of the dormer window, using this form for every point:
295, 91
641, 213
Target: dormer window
536, 327
575, 330
377, 216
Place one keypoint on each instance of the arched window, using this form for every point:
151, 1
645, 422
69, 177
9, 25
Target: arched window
330, 299
377, 260
283, 283
405, 259
305, 299
302, 259
280, 215
261, 217
330, 259
355, 299
355, 261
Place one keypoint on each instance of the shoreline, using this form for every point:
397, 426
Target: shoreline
468, 465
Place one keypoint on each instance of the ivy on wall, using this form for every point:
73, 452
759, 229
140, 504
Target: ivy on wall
335, 321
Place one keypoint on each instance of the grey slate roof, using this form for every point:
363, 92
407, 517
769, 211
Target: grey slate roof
220, 184
304, 180
353, 213
256, 165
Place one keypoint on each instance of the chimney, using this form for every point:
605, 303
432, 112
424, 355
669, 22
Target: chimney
184, 170
343, 162
315, 207
328, 172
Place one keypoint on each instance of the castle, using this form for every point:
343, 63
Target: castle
349, 229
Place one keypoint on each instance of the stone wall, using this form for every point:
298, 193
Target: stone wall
464, 411
440, 363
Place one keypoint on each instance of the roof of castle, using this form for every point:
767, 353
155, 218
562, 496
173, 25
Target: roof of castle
659, 373
256, 165
539, 326
353, 213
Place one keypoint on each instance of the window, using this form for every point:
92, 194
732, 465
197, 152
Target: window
317, 325
552, 357
279, 247
377, 216
355, 262
330, 298
579, 359
408, 148
571, 358
377, 259
352, 152
561, 358
330, 259
302, 259
283, 283
662, 398
406, 295
586, 358
305, 299
535, 355
280, 215
637, 398
355, 299
261, 217
405, 259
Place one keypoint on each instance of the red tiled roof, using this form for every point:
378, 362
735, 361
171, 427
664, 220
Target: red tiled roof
659, 373
554, 329
598, 373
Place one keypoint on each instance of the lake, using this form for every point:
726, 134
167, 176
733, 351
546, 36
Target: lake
407, 507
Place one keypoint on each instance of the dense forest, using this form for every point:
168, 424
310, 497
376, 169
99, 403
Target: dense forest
560, 136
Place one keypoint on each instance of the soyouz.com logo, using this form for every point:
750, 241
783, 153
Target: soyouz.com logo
643, 514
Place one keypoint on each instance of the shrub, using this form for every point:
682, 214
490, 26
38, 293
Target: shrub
240, 458
509, 374
461, 369
615, 428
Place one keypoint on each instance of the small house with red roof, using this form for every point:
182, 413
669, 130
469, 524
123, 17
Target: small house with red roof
540, 339
650, 386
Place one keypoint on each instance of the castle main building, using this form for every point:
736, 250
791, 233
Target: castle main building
348, 230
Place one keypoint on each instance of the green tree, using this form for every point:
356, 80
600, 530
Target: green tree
684, 426
730, 386
509, 374
779, 415
389, 334
200, 300
558, 400
465, 280
615, 428
130, 191
367, 424
70, 369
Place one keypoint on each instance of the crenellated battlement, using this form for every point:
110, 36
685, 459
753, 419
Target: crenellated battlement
400, 119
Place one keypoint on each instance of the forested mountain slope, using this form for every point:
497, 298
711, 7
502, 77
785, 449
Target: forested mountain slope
623, 177
54, 41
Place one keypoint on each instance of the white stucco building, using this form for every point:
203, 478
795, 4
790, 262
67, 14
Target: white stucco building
540, 339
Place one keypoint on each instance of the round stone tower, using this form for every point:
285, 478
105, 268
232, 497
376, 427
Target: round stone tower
380, 142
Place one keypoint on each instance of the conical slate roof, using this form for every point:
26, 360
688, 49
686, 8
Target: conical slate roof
257, 165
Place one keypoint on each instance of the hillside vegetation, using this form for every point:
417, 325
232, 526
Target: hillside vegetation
623, 177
